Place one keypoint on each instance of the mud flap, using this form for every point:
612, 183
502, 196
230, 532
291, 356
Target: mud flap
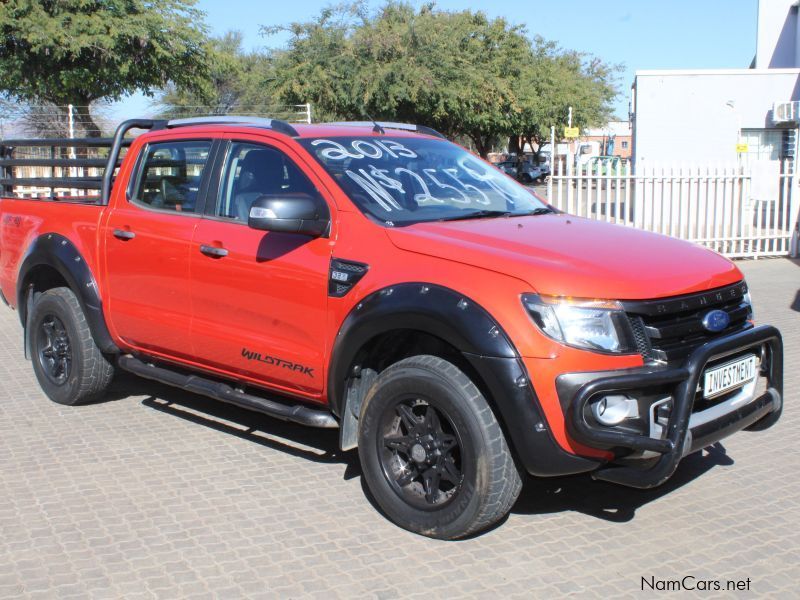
356, 392
26, 334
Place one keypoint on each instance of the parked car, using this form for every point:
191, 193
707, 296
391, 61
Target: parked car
525, 172
381, 280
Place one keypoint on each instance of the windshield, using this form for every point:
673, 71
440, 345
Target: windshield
409, 180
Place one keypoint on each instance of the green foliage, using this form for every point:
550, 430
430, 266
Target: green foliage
459, 72
556, 79
79, 51
237, 81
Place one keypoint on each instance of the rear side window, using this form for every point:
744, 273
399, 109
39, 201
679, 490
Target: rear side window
170, 175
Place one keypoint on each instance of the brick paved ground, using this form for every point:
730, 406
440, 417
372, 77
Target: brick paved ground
159, 494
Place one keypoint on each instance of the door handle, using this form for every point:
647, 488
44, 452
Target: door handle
213, 251
124, 235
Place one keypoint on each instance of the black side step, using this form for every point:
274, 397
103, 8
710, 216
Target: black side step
221, 391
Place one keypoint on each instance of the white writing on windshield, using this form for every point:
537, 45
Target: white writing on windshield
458, 183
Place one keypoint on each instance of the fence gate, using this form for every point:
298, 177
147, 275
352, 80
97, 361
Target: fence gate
737, 211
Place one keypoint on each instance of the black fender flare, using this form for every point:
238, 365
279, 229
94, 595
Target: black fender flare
427, 307
468, 327
59, 253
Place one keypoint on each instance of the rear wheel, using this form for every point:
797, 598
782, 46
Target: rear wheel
69, 366
432, 452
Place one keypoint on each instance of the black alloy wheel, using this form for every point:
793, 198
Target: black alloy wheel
55, 351
67, 363
421, 454
432, 453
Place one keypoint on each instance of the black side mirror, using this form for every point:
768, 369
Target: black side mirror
297, 213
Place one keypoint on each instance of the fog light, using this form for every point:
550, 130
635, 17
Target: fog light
613, 410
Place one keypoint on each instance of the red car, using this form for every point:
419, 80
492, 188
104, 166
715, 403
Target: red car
376, 278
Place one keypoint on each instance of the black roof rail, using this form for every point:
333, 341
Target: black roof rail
267, 123
390, 125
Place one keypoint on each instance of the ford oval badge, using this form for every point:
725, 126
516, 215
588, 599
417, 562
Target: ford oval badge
716, 320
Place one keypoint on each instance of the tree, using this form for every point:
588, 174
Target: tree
454, 71
80, 51
556, 79
237, 81
459, 72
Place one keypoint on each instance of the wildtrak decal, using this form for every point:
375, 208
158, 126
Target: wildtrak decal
277, 362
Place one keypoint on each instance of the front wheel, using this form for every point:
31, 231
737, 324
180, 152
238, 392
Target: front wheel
69, 366
432, 451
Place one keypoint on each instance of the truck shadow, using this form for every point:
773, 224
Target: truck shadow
579, 493
317, 445
608, 501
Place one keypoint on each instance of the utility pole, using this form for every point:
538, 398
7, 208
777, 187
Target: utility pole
569, 144
569, 164
70, 124
553, 158
71, 134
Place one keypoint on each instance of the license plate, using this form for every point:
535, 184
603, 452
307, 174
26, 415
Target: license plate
729, 376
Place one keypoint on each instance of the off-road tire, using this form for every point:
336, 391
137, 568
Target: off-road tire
490, 481
85, 373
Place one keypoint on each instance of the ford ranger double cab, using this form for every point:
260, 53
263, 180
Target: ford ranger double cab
376, 278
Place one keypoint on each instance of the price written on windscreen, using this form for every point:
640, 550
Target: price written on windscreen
468, 181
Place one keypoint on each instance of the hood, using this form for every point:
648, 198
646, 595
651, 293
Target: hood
569, 256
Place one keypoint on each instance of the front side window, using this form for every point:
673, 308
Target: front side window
253, 170
170, 175
405, 180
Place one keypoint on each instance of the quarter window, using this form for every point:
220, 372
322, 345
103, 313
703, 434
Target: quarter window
171, 174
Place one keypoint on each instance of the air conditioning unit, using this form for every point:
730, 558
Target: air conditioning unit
785, 112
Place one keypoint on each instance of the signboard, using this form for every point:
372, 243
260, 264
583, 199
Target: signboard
741, 148
571, 132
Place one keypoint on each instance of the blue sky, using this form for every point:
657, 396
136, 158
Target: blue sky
640, 34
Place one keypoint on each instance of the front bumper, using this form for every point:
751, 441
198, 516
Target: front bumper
680, 435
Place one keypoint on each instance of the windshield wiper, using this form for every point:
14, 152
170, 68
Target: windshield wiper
478, 214
544, 210
481, 214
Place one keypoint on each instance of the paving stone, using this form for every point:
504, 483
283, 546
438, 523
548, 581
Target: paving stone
157, 493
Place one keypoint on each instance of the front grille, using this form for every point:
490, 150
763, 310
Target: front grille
670, 329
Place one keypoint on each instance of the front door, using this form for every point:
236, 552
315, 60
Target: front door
148, 238
259, 297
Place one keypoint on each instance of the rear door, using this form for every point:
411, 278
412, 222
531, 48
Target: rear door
148, 237
260, 298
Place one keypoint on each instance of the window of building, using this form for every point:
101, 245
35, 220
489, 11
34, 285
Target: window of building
170, 175
763, 144
624, 145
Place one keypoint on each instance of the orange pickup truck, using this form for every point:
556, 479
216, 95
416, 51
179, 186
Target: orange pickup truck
376, 278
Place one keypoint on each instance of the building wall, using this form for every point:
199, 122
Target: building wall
622, 143
777, 44
696, 116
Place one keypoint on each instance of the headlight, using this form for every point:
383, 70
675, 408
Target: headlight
599, 325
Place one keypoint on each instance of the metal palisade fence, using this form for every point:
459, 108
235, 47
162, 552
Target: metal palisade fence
741, 212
